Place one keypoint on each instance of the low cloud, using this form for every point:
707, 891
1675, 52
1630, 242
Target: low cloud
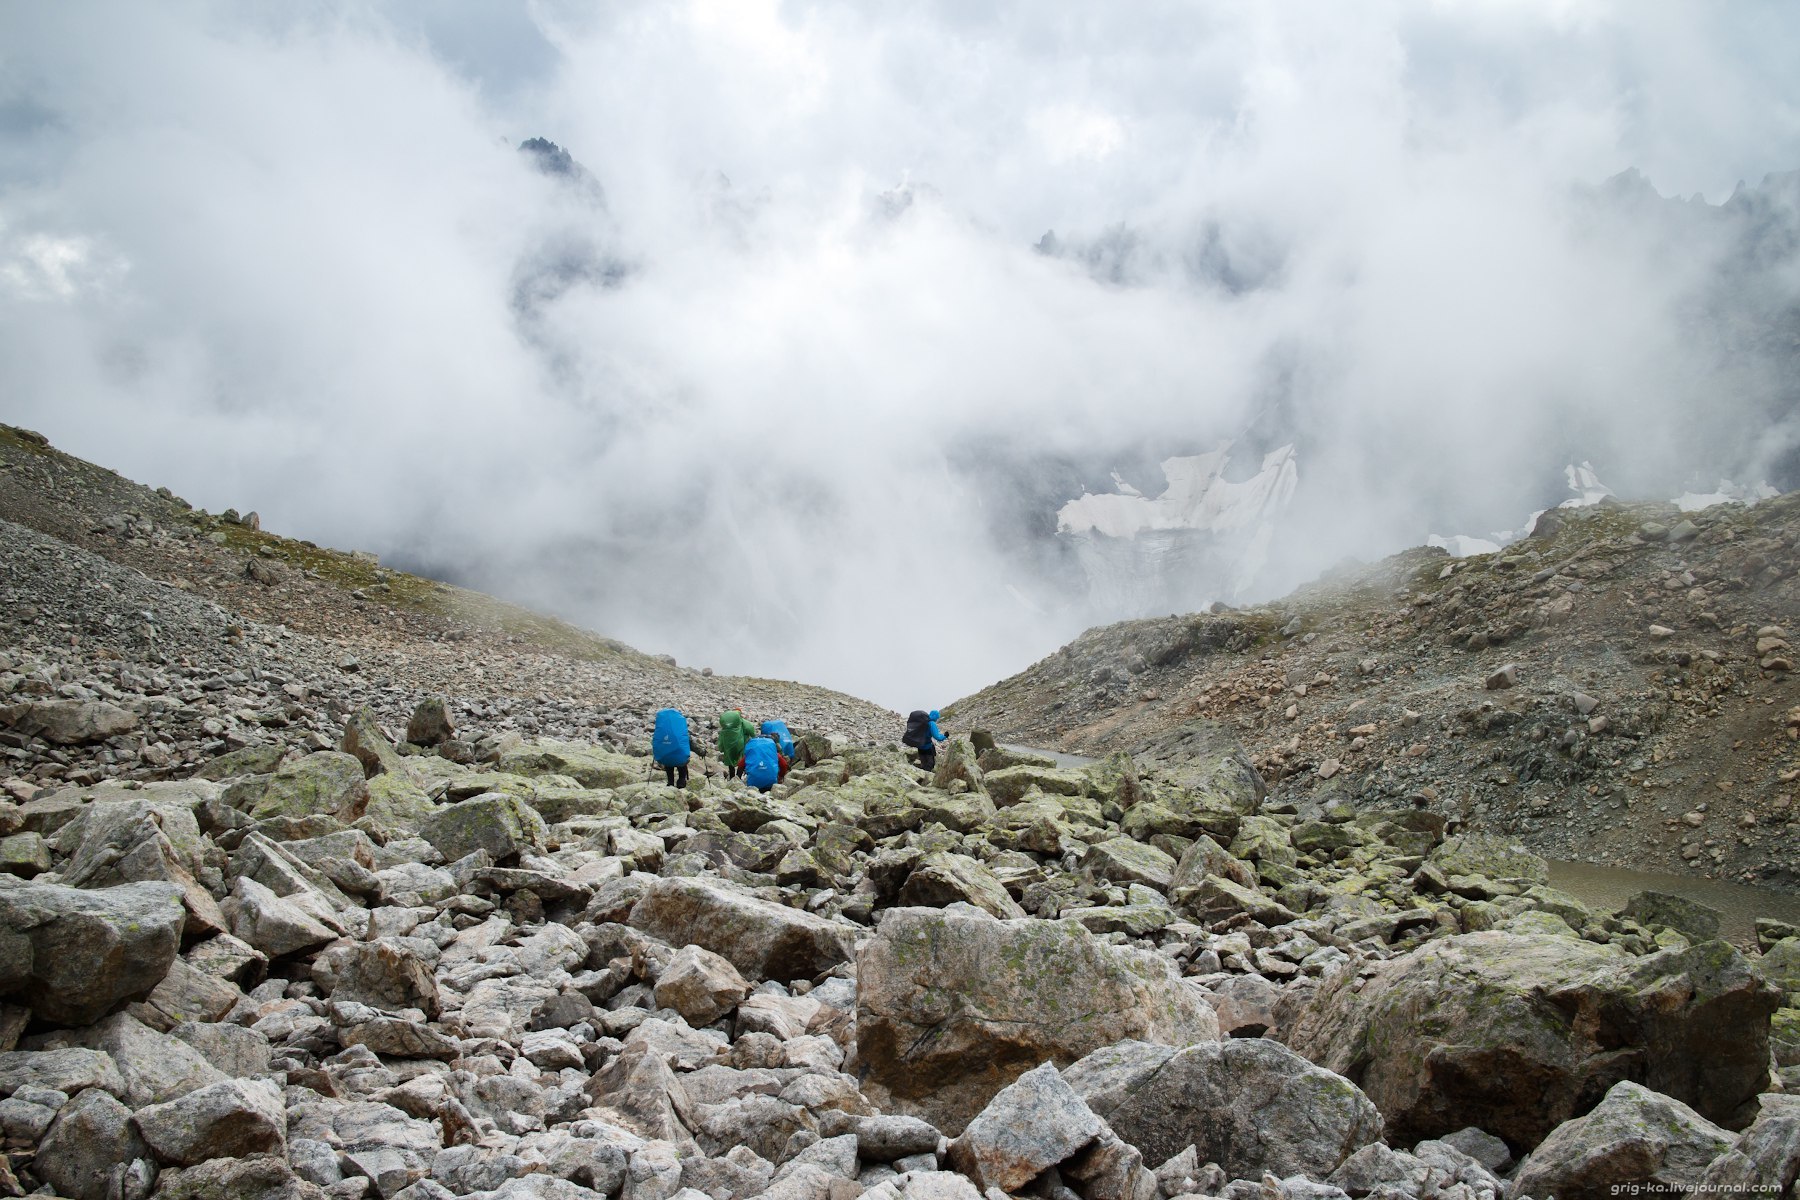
791, 382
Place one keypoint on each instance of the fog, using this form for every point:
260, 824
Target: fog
786, 379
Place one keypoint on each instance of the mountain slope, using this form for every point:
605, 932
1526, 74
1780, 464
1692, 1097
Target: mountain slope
1647, 721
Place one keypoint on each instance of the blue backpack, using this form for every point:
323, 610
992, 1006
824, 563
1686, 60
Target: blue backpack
670, 742
762, 769
779, 731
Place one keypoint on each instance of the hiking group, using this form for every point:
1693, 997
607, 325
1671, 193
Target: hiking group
761, 754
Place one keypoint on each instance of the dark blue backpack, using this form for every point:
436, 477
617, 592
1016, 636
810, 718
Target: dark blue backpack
762, 769
779, 731
670, 742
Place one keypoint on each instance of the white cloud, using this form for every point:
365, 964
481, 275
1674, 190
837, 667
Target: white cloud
758, 418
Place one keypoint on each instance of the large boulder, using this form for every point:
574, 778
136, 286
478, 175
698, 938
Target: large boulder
942, 879
502, 824
71, 956
957, 762
364, 739
1249, 1104
1033, 1123
588, 765
762, 939
430, 724
1633, 1139
952, 1006
89, 1151
327, 783
142, 841
384, 974
1767, 1153
1693, 920
1488, 856
700, 985
229, 1119
1009, 785
68, 722
1517, 1033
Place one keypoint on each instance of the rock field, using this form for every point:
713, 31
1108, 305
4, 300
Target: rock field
1617, 688
401, 910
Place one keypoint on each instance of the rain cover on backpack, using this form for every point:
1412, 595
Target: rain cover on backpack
783, 739
669, 743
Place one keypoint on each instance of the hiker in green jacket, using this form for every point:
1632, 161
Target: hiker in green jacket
734, 730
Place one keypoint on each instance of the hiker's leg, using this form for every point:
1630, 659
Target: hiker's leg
681, 774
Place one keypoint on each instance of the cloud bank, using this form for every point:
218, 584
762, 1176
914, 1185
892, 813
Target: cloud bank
792, 382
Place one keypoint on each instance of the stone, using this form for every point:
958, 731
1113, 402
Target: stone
1488, 855
700, 985
325, 783
231, 1049
886, 1138
957, 762
72, 956
1009, 785
1693, 920
261, 1178
143, 841
1632, 1137
25, 855
68, 722
1766, 1154
942, 879
385, 974
89, 1148
187, 993
502, 825
364, 740
232, 1119
1514, 1033
1249, 1104
1033, 1123
69, 1070
763, 940
952, 1006
1123, 860
589, 766
430, 723
1505, 677
274, 926
152, 1065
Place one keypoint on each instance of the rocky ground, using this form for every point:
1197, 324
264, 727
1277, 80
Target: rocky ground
1617, 688
369, 898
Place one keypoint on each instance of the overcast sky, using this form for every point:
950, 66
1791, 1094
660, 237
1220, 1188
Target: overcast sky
288, 258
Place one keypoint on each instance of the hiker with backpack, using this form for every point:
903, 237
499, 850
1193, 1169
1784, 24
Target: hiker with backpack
763, 764
671, 745
922, 734
735, 729
777, 731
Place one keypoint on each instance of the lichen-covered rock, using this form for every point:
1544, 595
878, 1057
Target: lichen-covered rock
1767, 1154
1695, 921
68, 722
1033, 1123
951, 1007
1009, 785
231, 1119
588, 765
73, 955
1632, 1137
1249, 1104
1488, 855
1123, 860
955, 762
1517, 1033
327, 783
761, 939
501, 824
91, 1147
941, 879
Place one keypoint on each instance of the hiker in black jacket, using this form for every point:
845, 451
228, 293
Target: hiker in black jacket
922, 734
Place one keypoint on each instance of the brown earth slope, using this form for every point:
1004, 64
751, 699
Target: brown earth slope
1649, 720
